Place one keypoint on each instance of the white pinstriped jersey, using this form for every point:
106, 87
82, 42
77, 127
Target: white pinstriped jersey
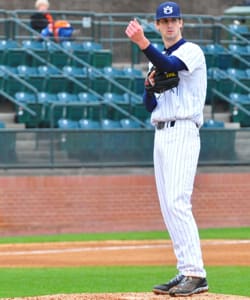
188, 99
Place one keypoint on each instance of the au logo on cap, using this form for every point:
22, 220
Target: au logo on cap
168, 10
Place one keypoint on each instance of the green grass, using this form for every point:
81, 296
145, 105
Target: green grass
21, 282
48, 281
225, 233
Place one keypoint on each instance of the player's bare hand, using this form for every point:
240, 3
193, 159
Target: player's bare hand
135, 33
151, 78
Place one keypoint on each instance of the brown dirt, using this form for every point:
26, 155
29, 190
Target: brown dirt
215, 252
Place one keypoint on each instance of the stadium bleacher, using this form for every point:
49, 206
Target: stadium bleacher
86, 66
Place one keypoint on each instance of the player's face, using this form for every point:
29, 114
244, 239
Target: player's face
170, 29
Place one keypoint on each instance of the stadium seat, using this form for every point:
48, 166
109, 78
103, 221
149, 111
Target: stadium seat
75, 71
25, 97
90, 45
79, 73
115, 98
11, 53
89, 124
56, 55
217, 56
76, 49
137, 79
26, 71
242, 76
120, 77
238, 28
10, 80
137, 107
118, 99
31, 101
101, 58
239, 51
110, 124
213, 124
98, 82
47, 70
240, 98
50, 110
67, 124
92, 109
37, 54
237, 73
129, 124
55, 80
73, 110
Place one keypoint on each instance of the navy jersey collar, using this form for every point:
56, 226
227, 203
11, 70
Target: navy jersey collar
175, 46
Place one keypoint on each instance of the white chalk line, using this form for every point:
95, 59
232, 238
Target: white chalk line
113, 248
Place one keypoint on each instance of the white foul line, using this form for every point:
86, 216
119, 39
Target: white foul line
114, 248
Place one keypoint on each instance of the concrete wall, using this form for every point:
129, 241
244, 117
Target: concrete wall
212, 7
113, 203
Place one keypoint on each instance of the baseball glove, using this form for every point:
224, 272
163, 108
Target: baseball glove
162, 81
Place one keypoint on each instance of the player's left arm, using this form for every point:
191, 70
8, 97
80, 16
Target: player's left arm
163, 62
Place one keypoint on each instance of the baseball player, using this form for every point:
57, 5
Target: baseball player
177, 115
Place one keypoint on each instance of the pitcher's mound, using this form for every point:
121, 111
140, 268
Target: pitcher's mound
130, 296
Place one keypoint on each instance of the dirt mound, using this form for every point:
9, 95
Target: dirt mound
130, 296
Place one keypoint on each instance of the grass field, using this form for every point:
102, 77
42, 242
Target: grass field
20, 282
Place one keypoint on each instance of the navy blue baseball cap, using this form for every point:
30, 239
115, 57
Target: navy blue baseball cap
168, 10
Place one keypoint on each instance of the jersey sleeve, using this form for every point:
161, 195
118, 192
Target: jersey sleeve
191, 55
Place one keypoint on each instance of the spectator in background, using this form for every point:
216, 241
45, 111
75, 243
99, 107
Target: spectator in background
42, 18
43, 22
59, 31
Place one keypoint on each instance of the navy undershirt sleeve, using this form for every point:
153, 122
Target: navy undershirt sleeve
163, 62
149, 101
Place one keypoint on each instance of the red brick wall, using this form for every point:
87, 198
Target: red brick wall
62, 204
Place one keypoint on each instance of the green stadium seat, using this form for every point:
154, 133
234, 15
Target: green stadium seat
213, 124
73, 112
11, 53
89, 124
129, 124
137, 79
98, 82
120, 77
37, 54
79, 73
67, 124
92, 109
32, 76
118, 99
31, 101
55, 80
101, 58
10, 80
57, 56
90, 45
217, 56
77, 50
49, 110
110, 124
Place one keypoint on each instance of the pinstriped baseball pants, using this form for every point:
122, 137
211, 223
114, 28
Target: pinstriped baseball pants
176, 152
